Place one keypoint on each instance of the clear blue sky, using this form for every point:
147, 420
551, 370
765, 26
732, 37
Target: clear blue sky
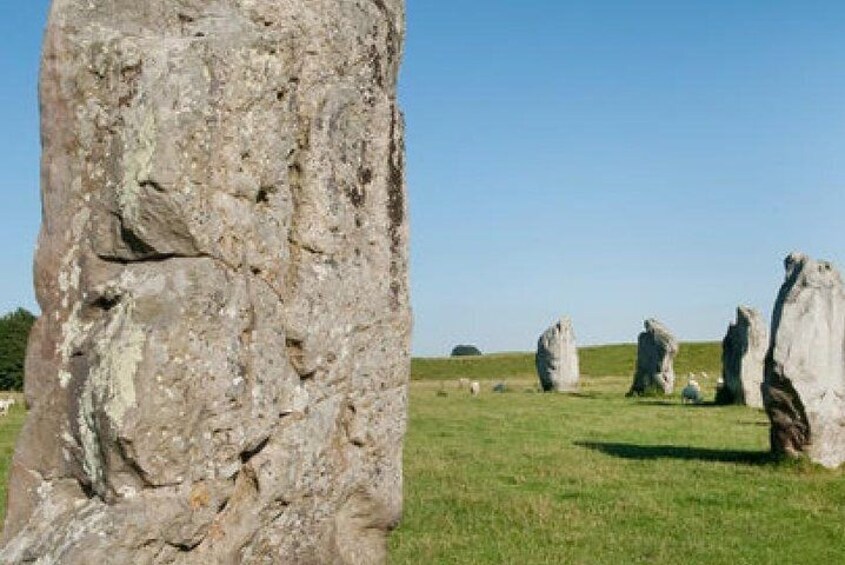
610, 160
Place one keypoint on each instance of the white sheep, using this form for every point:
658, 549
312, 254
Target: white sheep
475, 388
5, 404
691, 392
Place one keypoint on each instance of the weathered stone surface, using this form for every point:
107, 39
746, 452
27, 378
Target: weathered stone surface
557, 358
743, 355
804, 386
656, 350
220, 371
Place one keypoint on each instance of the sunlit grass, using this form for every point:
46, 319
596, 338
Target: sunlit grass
595, 361
595, 477
10, 427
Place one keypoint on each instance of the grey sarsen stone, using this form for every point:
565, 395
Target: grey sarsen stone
220, 371
804, 386
557, 358
743, 354
656, 350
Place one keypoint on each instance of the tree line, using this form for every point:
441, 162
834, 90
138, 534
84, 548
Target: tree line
14, 333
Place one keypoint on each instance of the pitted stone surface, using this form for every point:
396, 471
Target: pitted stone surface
743, 355
656, 350
557, 358
804, 386
220, 371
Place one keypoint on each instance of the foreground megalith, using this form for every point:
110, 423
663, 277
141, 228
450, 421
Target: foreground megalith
220, 371
557, 358
656, 350
743, 354
804, 386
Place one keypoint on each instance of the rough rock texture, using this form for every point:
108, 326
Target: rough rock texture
557, 358
743, 355
656, 350
220, 371
804, 386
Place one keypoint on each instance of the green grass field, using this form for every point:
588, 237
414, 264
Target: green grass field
594, 477
596, 361
10, 427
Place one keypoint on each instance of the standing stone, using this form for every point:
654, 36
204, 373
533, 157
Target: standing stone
804, 386
656, 350
557, 358
743, 355
220, 371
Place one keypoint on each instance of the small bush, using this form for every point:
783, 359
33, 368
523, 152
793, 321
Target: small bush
465, 351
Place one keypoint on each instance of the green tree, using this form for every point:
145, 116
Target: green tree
465, 351
14, 332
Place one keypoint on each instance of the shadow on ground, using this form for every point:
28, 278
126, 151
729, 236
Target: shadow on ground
646, 452
586, 395
679, 404
753, 423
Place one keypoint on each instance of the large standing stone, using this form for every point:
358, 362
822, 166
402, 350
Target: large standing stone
656, 350
743, 355
220, 371
557, 358
804, 386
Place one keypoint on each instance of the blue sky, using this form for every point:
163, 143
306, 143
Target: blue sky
21, 28
609, 160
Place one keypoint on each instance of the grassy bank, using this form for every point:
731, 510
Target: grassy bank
596, 361
10, 427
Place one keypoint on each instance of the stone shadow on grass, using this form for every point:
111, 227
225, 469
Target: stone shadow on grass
678, 404
648, 452
585, 395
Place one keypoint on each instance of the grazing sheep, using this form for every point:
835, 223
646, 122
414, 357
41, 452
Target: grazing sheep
475, 388
691, 392
5, 404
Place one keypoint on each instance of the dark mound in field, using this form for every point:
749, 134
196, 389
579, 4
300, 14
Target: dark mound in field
465, 351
